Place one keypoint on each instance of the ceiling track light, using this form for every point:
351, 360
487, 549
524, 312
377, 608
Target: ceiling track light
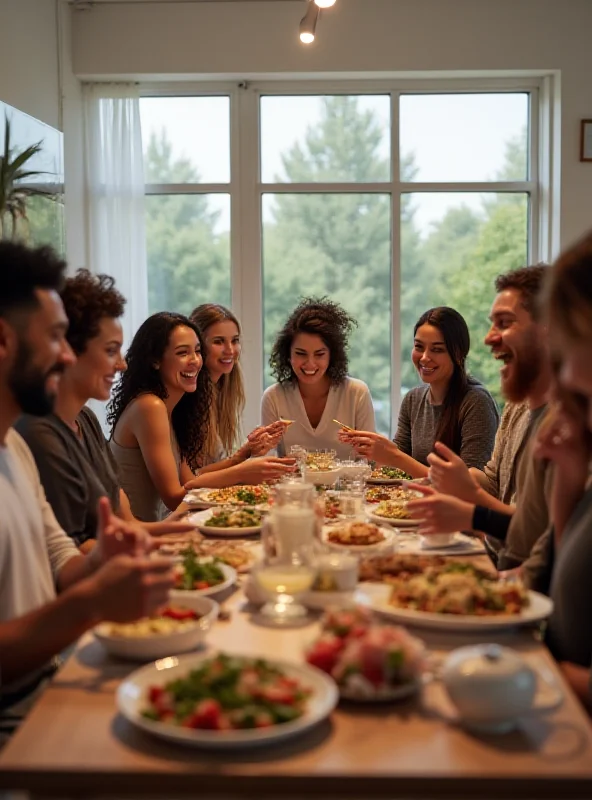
325, 3
308, 23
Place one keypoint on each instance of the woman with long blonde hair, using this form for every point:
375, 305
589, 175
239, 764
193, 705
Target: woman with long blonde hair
221, 332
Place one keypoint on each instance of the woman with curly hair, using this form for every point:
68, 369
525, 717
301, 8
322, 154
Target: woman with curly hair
451, 408
309, 360
221, 332
159, 414
73, 458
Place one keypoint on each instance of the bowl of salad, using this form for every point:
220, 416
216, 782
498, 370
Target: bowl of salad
176, 628
201, 575
369, 661
225, 701
388, 475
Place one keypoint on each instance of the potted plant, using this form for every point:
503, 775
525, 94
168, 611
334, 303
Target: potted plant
17, 185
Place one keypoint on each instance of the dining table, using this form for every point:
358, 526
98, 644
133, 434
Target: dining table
75, 743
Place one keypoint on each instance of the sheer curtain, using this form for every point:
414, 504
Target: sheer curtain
115, 191
116, 227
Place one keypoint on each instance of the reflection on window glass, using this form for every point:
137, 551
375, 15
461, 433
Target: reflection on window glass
188, 248
466, 137
46, 222
336, 245
325, 139
454, 247
186, 139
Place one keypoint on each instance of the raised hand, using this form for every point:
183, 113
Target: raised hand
370, 445
440, 513
116, 536
450, 475
266, 468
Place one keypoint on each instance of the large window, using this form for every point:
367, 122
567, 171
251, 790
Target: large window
388, 200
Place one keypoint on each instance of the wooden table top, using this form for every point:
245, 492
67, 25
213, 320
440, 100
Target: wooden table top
75, 742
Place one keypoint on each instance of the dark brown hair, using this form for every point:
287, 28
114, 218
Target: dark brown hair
319, 317
568, 296
88, 299
457, 339
529, 282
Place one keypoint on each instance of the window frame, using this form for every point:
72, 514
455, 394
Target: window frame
246, 188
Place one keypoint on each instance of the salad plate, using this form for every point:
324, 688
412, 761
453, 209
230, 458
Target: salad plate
228, 580
201, 518
395, 523
135, 693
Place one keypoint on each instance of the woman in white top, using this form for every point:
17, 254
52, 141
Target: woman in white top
313, 389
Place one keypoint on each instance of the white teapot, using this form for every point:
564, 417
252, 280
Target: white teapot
493, 686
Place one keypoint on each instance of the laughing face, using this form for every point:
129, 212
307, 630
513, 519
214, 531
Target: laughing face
430, 356
309, 357
96, 368
181, 361
518, 343
223, 348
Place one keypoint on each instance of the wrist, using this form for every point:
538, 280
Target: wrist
85, 601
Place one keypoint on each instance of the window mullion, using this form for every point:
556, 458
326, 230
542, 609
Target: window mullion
395, 263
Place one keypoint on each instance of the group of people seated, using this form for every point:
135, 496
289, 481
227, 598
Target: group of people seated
81, 511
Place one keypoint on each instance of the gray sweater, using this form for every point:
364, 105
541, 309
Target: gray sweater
418, 421
75, 471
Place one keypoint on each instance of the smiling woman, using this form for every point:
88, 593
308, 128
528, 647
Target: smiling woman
310, 361
160, 414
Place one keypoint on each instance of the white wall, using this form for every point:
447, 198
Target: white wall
242, 39
29, 67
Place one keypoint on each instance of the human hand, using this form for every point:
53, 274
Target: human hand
439, 513
265, 468
127, 588
563, 438
450, 475
116, 536
370, 445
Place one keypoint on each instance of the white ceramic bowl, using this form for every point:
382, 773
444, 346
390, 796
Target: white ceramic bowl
149, 648
435, 540
327, 477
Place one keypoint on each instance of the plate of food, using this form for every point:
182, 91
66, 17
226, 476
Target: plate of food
257, 496
226, 701
457, 596
394, 512
357, 536
333, 506
231, 521
388, 475
201, 575
369, 661
177, 628
240, 556
452, 544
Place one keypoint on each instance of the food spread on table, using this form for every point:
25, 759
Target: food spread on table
229, 693
390, 473
320, 462
333, 506
245, 495
170, 619
235, 555
381, 569
356, 534
234, 518
196, 573
363, 656
457, 588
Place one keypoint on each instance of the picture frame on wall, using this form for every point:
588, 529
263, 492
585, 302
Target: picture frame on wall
586, 140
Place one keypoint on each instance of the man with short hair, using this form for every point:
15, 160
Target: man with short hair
517, 339
49, 592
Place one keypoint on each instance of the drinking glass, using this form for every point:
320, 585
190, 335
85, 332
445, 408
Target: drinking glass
352, 499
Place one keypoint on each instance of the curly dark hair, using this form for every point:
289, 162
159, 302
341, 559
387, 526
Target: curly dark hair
87, 299
321, 317
529, 281
190, 417
23, 270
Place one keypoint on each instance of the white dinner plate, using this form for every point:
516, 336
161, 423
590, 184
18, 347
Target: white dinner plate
540, 608
199, 518
131, 699
389, 481
320, 601
358, 549
202, 498
409, 542
396, 523
229, 580
388, 695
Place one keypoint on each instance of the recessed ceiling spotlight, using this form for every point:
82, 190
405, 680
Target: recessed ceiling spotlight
325, 3
308, 23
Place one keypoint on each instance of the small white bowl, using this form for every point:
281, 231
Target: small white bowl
327, 477
436, 540
149, 648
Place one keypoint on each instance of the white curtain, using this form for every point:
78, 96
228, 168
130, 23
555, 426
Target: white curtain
115, 194
116, 227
